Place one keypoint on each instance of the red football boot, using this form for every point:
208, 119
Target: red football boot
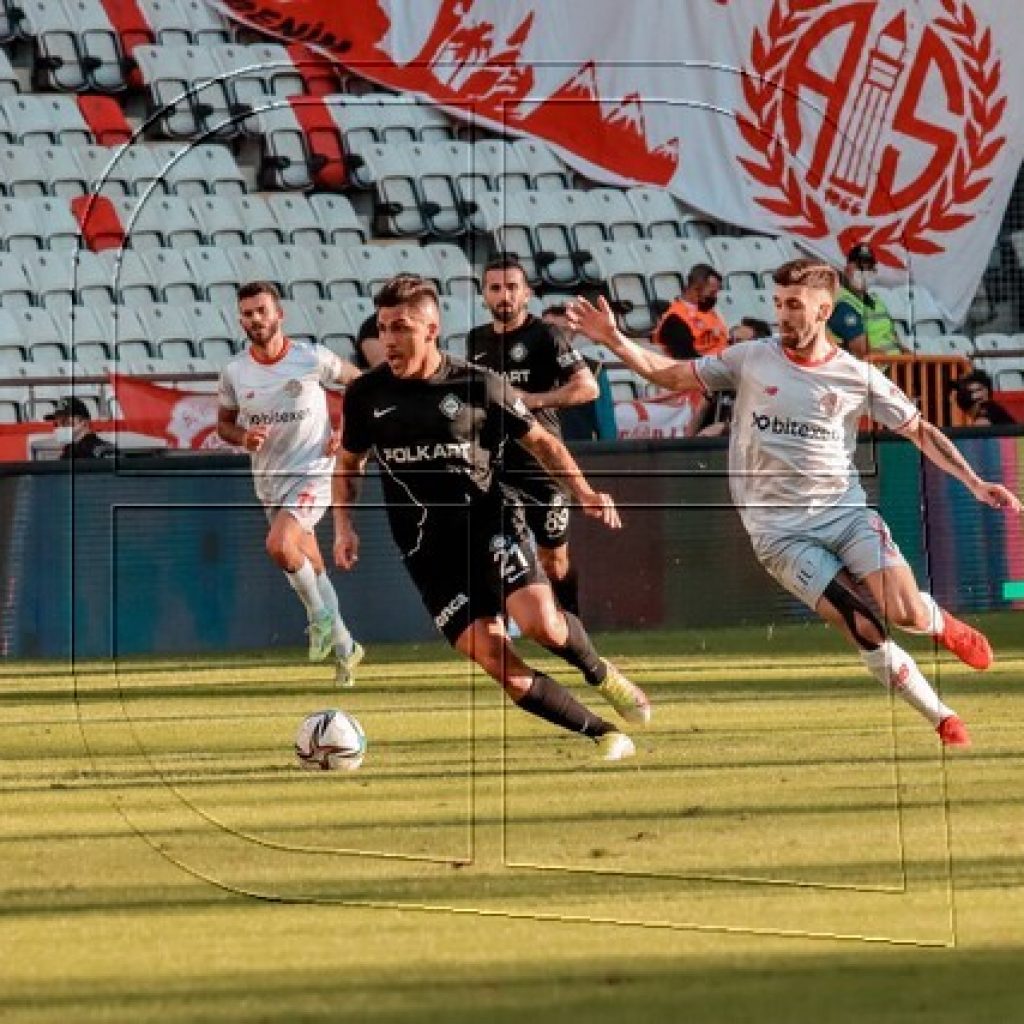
965, 642
953, 732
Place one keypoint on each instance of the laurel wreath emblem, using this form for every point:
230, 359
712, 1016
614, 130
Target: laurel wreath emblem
944, 210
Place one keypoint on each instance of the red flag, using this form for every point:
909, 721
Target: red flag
185, 419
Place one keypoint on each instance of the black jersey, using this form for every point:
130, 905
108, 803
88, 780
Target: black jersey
532, 358
437, 441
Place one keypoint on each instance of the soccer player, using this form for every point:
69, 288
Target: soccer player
436, 426
550, 374
799, 401
271, 402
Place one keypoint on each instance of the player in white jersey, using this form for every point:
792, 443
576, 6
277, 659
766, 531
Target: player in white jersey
798, 404
272, 403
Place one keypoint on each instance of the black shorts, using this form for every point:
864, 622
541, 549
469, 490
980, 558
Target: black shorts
545, 507
467, 564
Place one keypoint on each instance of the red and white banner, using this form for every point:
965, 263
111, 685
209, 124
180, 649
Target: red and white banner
670, 416
184, 419
829, 121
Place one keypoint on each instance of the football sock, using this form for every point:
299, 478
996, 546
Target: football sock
579, 652
303, 582
341, 636
555, 704
935, 617
567, 592
896, 670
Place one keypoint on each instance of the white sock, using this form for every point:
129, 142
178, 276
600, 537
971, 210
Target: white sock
342, 637
936, 621
896, 670
303, 582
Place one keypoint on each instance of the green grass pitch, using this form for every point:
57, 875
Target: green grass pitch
787, 846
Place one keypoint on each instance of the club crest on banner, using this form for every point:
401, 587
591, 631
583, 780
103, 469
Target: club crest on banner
895, 142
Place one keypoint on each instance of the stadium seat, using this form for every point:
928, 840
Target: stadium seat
664, 266
220, 220
657, 211
297, 324
104, 119
206, 26
19, 232
214, 335
299, 272
627, 286
438, 193
534, 162
620, 219
258, 221
320, 75
215, 275
393, 178
169, 332
99, 44
253, 263
339, 278
625, 385
42, 335
337, 219
332, 326
457, 318
59, 166
914, 308
10, 83
21, 172
129, 336
326, 157
170, 275
130, 276
158, 220
58, 58
9, 19
453, 270
730, 257
297, 221
190, 171
287, 159
16, 290
100, 221
87, 336
374, 264
44, 119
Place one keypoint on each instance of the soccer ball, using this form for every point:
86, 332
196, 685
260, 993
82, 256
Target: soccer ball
330, 740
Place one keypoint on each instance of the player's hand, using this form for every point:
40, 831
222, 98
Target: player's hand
333, 443
254, 439
596, 322
997, 496
601, 506
346, 548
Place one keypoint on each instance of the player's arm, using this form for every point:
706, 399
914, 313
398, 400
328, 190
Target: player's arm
938, 448
345, 485
231, 431
559, 464
598, 324
579, 389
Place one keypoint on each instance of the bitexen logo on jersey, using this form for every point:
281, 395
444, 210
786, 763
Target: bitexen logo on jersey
268, 419
786, 427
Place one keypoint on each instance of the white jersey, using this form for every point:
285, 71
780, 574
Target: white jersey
287, 397
794, 430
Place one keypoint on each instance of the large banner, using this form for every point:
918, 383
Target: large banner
831, 121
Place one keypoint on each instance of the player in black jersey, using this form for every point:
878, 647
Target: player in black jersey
437, 427
551, 375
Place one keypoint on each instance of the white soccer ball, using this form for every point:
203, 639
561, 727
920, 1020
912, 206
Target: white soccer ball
330, 741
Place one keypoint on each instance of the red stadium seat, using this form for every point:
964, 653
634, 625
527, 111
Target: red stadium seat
101, 225
132, 30
106, 119
327, 158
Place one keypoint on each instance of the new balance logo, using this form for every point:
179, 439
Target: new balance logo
377, 413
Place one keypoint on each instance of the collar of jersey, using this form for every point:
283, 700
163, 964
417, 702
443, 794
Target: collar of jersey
270, 362
809, 364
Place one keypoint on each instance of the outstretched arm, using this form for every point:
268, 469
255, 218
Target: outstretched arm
598, 324
581, 387
348, 473
940, 449
560, 465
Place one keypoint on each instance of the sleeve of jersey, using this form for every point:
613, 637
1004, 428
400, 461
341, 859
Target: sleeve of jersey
355, 434
887, 404
845, 323
568, 359
328, 365
226, 390
722, 372
507, 410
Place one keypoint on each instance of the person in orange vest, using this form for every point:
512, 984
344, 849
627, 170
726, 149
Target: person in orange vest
690, 327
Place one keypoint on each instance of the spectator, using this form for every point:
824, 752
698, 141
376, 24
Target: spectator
74, 429
748, 329
592, 421
860, 322
690, 327
369, 349
974, 398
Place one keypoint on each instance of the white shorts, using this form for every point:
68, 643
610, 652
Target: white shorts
307, 499
854, 538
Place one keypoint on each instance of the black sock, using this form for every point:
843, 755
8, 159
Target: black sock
579, 652
567, 592
555, 704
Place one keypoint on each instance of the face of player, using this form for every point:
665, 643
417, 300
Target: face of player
802, 313
409, 334
507, 296
262, 319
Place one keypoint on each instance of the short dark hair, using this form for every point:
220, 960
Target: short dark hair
505, 261
407, 290
807, 273
761, 328
701, 273
251, 289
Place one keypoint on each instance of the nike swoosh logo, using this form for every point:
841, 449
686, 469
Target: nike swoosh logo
377, 413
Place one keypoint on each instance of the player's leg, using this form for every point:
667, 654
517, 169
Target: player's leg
815, 575
485, 642
348, 654
546, 511
905, 606
529, 600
